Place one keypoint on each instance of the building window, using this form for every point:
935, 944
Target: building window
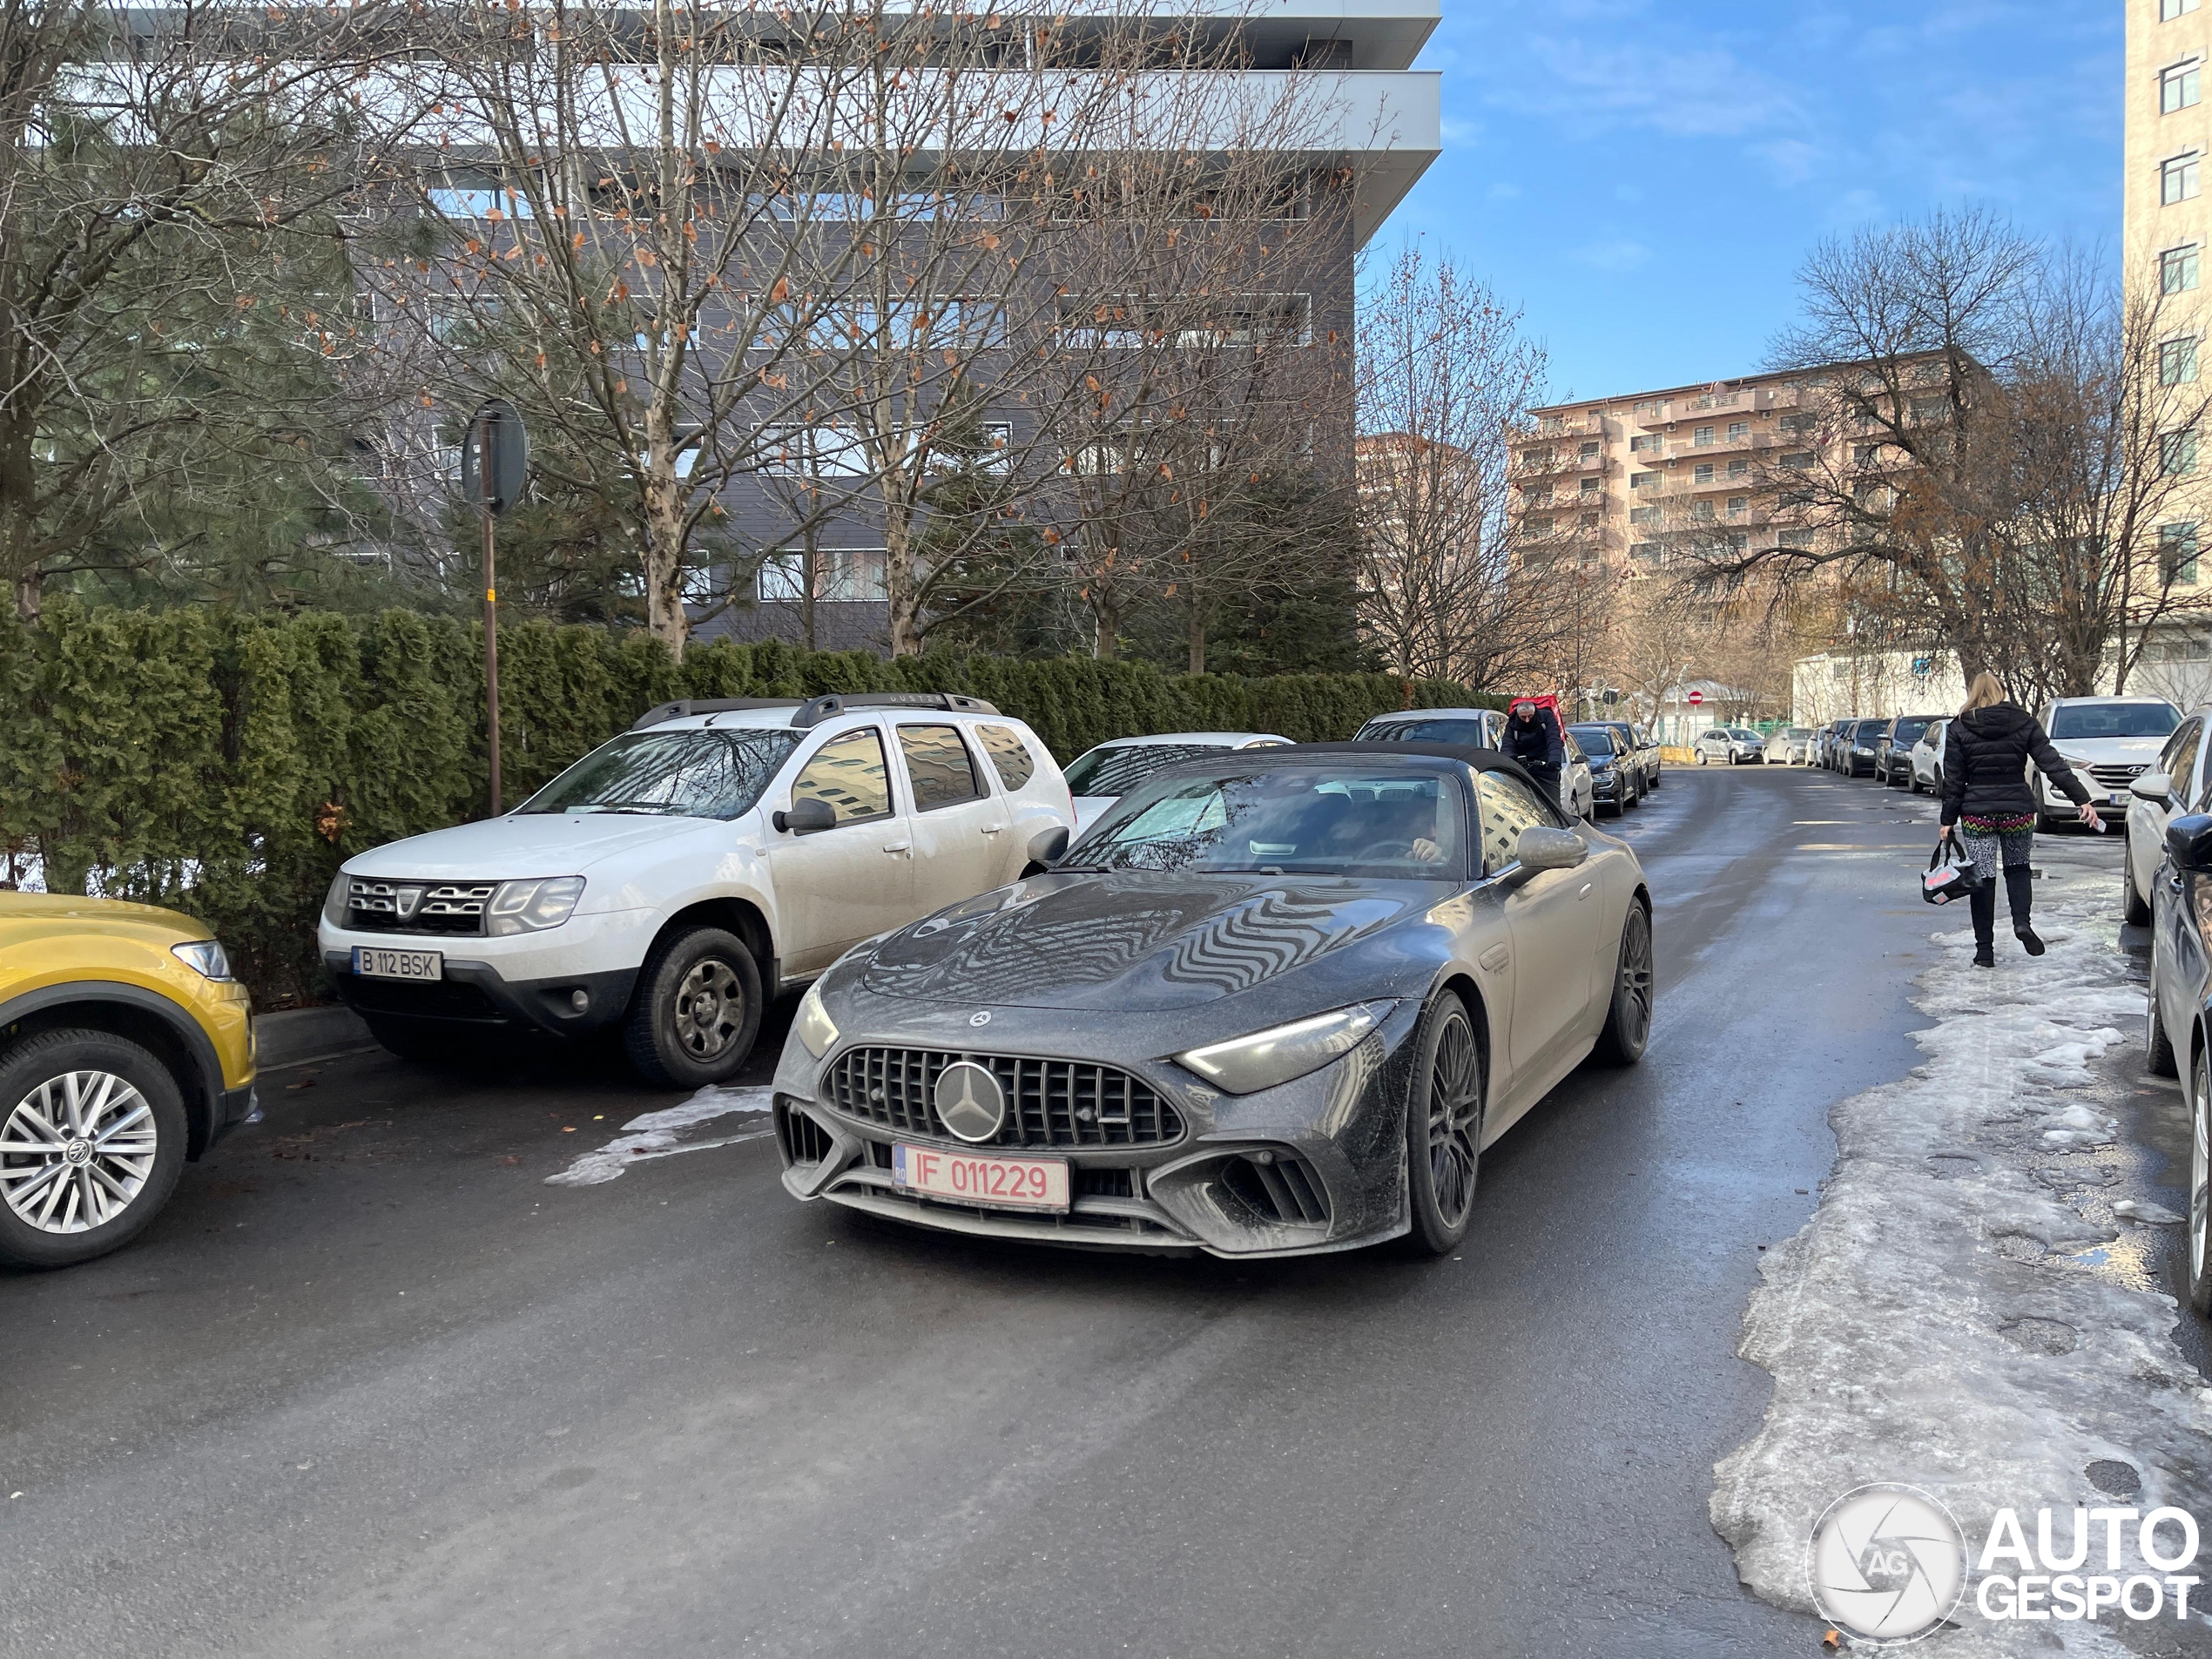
840, 573
2177, 453
1703, 475
1703, 437
1738, 430
2179, 88
2177, 270
1739, 468
1592, 486
1866, 455
1701, 512
1540, 527
1645, 552
1539, 496
2169, 9
2177, 554
1739, 506
1798, 461
1643, 514
1589, 450
1643, 481
2177, 363
1794, 539
1639, 442
2178, 180
1588, 521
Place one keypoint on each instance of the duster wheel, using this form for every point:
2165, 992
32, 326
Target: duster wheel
1443, 1128
697, 1009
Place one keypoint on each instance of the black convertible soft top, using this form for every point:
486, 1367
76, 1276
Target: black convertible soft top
1480, 759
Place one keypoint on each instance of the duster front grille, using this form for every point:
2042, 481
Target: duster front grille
377, 905
1049, 1103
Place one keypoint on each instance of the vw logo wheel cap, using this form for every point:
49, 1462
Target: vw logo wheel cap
969, 1102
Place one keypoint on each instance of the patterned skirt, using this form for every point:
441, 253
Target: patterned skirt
2006, 837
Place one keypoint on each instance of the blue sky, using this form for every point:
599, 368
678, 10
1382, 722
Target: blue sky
1645, 175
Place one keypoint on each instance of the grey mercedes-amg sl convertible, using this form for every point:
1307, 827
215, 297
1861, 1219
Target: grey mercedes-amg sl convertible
1275, 1002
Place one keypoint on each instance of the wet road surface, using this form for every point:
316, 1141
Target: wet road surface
372, 1386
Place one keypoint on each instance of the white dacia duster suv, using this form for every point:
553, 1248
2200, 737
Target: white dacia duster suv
673, 878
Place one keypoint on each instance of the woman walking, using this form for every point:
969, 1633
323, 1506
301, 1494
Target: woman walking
1987, 797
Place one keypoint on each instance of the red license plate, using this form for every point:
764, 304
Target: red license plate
969, 1177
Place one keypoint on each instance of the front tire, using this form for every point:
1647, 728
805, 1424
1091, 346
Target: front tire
2158, 1058
91, 1144
1628, 1022
2200, 1258
1701, 757
1443, 1128
696, 1011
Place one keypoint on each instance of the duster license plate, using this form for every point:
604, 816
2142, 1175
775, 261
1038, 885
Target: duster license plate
373, 961
968, 1177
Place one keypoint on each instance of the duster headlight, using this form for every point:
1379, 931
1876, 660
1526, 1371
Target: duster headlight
1246, 1065
334, 903
812, 1025
531, 907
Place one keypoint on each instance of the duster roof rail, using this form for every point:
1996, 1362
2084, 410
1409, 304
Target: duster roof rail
688, 706
811, 711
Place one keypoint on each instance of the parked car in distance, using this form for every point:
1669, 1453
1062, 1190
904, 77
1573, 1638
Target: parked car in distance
1792, 745
1731, 744
1927, 758
1084, 1061
1577, 782
1832, 741
1855, 747
1639, 748
1100, 776
2110, 742
1893, 742
126, 1050
668, 883
1464, 728
1615, 781
2176, 784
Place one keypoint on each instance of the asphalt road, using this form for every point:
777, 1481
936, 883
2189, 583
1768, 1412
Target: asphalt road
371, 1386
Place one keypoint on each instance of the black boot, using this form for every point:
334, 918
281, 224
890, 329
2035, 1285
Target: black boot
1983, 905
2019, 890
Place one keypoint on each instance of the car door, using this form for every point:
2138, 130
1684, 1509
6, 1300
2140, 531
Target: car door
959, 823
2147, 819
1552, 918
841, 885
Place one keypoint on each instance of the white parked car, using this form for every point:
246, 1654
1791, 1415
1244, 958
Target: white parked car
1927, 758
677, 878
2176, 784
1793, 745
1099, 776
1731, 744
2110, 742
1468, 728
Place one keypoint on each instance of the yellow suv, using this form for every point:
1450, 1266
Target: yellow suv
125, 1048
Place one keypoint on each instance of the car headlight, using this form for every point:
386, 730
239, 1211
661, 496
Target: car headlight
333, 904
1246, 1065
2077, 762
205, 957
532, 907
812, 1025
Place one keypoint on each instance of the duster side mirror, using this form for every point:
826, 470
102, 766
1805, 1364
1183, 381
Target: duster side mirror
2188, 841
2153, 787
809, 815
1557, 849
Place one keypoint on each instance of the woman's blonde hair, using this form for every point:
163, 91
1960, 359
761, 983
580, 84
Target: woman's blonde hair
1985, 692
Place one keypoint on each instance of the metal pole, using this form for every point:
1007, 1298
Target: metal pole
491, 613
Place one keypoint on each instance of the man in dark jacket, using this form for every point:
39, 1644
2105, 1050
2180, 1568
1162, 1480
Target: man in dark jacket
1986, 796
1533, 739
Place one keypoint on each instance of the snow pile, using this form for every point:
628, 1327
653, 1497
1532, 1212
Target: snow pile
1932, 1325
659, 1135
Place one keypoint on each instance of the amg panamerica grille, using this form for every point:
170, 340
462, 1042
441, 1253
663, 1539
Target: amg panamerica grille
1049, 1103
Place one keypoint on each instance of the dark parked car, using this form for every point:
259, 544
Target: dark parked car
1616, 782
1274, 1002
1832, 736
1893, 747
2178, 1017
1855, 747
1637, 747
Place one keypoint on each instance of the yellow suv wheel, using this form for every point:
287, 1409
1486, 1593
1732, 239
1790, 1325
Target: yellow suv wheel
92, 1135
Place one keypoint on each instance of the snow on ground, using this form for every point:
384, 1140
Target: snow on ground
664, 1133
1939, 1321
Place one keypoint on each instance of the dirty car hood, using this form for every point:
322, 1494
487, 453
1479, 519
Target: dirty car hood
1130, 942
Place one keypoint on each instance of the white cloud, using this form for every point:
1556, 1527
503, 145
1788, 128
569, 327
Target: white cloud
1618, 256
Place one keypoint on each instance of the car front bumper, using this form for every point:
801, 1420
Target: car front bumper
1339, 1133
528, 980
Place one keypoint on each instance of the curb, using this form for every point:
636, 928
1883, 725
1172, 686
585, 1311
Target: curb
297, 1034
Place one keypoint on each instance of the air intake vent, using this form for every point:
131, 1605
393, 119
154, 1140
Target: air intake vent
1278, 1187
804, 1141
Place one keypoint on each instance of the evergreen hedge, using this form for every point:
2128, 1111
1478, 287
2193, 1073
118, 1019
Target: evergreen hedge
225, 762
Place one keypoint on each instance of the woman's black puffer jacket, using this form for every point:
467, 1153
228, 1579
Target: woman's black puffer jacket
1985, 764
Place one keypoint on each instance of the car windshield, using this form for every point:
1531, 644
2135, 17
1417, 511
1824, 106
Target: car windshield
1117, 768
1910, 730
1594, 739
1465, 733
1798, 733
2114, 720
691, 773
1317, 820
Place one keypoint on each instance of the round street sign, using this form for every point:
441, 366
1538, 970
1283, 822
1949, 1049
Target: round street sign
1695, 698
498, 427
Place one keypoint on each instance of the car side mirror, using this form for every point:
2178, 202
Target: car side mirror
808, 816
2153, 787
2188, 841
1556, 849
1046, 845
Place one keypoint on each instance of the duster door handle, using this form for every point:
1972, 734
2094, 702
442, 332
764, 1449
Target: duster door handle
896, 847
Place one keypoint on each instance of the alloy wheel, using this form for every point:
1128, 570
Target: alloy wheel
1635, 979
1454, 1120
710, 1009
2199, 1164
77, 1151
